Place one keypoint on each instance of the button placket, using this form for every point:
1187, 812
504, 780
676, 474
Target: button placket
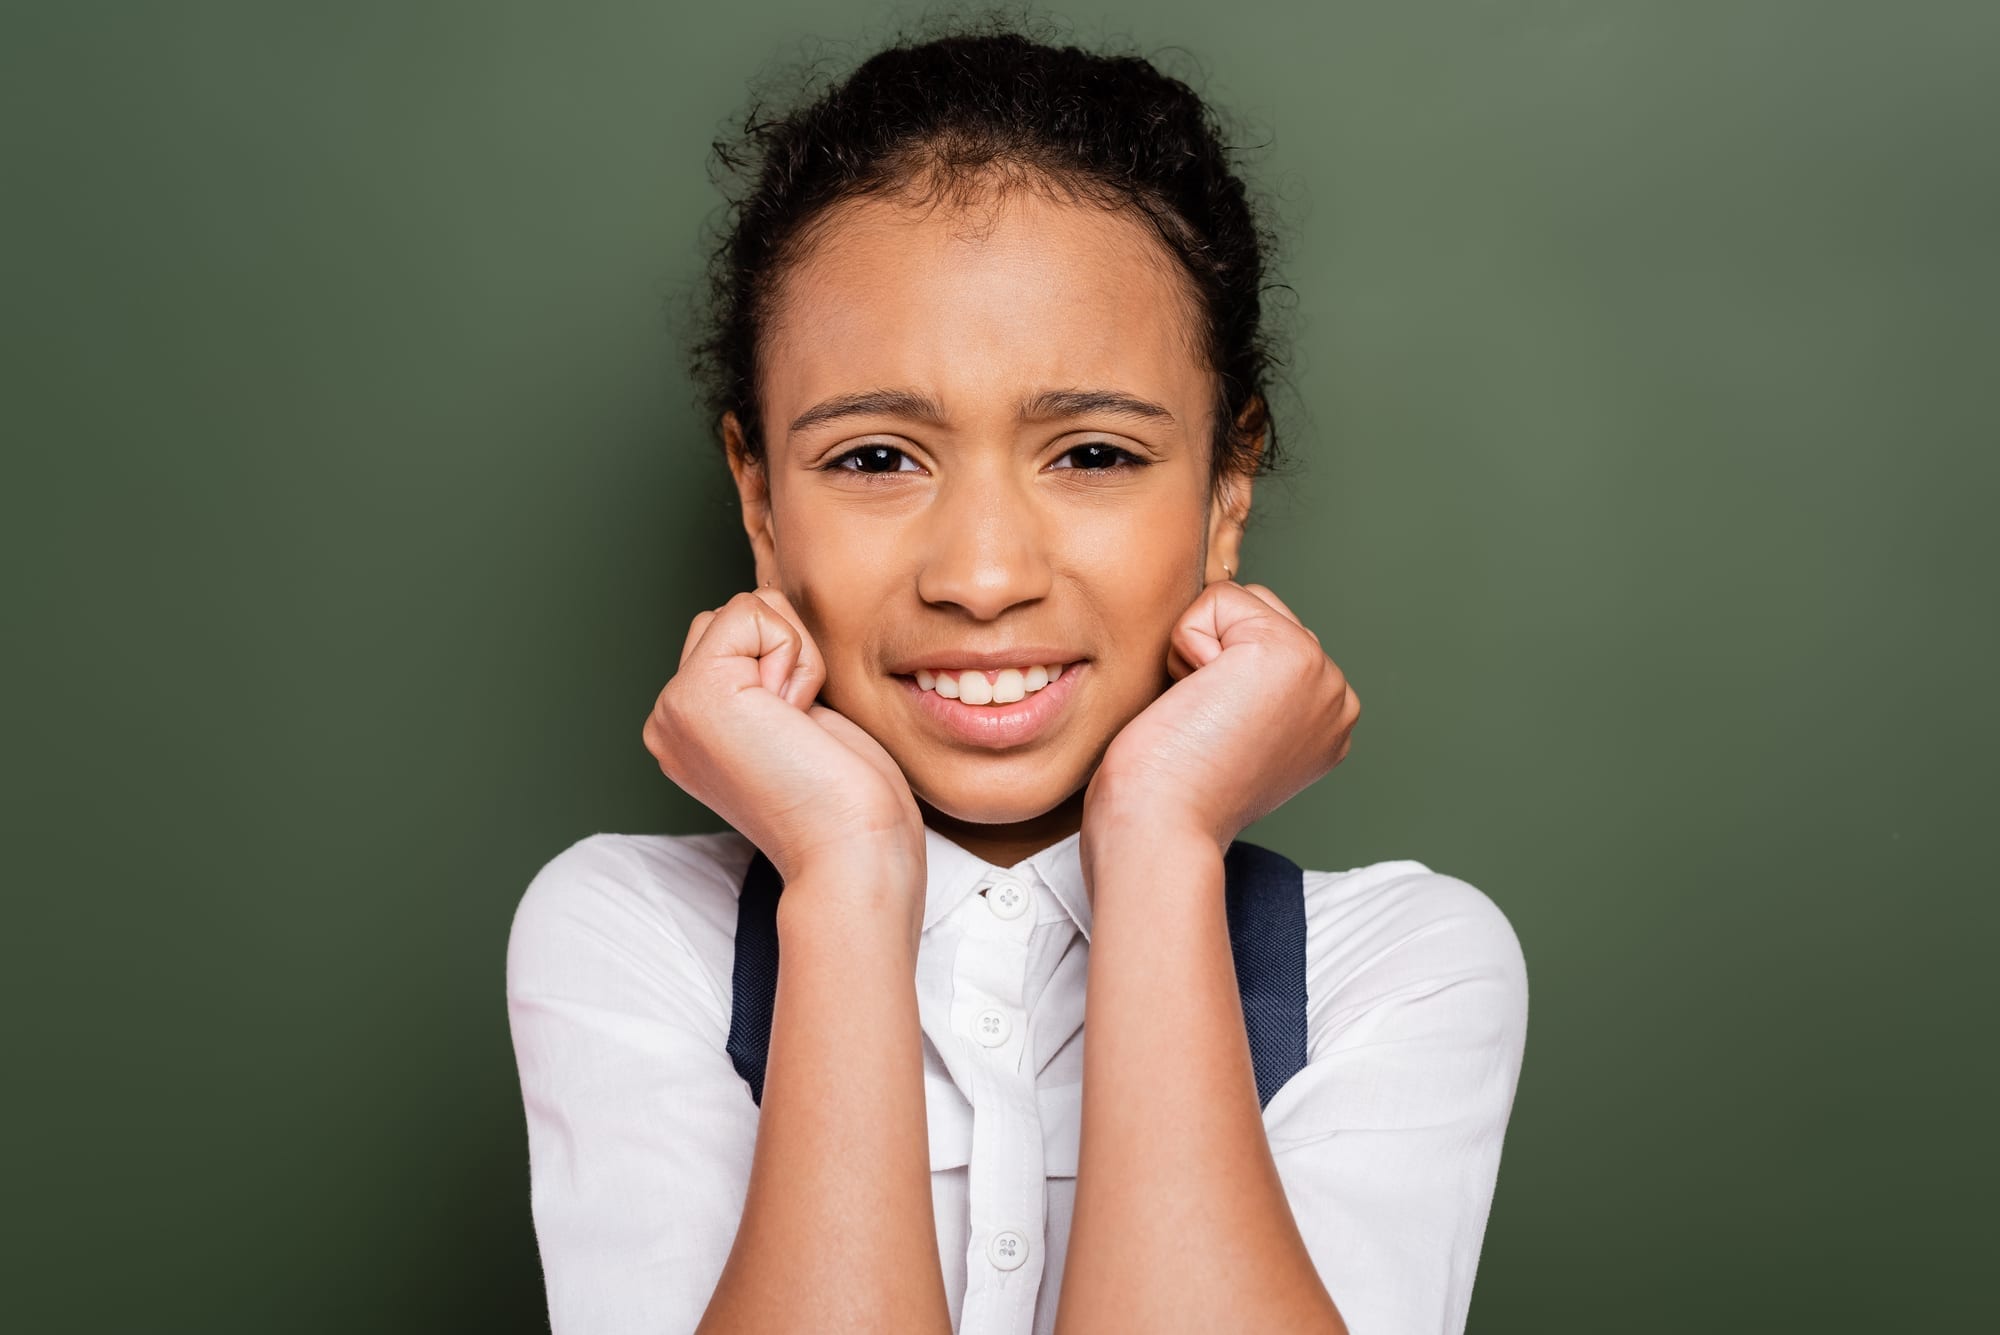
1007, 1180
988, 977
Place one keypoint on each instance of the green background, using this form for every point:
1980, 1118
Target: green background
356, 507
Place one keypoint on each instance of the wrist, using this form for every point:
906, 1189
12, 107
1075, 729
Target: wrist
1131, 851
865, 906
1129, 822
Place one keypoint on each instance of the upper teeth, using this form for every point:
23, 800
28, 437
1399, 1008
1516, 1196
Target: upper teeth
975, 687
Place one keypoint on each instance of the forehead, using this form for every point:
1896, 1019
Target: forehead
977, 303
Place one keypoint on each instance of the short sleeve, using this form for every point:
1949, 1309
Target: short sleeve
640, 1132
1388, 1141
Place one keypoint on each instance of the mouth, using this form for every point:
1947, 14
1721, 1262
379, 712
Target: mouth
1010, 713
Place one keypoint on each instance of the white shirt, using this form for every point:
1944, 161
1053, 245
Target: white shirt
640, 1130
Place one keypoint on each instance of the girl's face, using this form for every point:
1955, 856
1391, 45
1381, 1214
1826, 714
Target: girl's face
987, 445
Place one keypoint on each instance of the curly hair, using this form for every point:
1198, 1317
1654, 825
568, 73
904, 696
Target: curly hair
942, 117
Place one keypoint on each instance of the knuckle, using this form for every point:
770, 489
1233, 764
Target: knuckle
669, 716
655, 742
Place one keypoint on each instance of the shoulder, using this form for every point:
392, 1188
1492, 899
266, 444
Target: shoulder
1397, 932
655, 907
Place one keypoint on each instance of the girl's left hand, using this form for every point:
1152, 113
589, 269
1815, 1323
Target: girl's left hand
1256, 713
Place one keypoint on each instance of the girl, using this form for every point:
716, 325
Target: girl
989, 377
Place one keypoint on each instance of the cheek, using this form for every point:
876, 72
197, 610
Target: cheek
1138, 611
1146, 574
833, 588
827, 611
1144, 658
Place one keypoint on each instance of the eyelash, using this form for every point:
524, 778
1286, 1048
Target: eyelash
1128, 461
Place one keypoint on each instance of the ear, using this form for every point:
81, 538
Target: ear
1229, 506
753, 491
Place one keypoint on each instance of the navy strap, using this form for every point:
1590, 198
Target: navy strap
1264, 896
1266, 903
754, 982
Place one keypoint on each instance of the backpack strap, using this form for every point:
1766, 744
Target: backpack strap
753, 984
1264, 895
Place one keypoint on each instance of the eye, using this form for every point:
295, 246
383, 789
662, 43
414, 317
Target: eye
870, 458
1104, 457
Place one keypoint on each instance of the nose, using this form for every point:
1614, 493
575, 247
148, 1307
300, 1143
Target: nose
985, 547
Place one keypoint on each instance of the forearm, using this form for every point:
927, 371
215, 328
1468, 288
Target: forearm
837, 1231
1181, 1221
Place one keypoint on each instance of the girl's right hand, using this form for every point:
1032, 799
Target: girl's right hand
736, 727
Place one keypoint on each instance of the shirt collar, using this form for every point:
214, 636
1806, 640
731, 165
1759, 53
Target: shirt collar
954, 872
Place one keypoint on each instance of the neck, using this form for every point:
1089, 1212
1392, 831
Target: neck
1005, 845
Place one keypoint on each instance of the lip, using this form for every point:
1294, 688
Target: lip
956, 660
1000, 726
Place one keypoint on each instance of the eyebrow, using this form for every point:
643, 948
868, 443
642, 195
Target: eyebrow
1041, 407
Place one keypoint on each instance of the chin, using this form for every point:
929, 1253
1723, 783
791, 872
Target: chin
991, 813
1001, 800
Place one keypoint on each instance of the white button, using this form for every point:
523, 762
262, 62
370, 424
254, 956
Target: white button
1006, 1249
1006, 899
992, 1026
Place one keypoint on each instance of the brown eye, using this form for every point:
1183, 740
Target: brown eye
1103, 457
871, 459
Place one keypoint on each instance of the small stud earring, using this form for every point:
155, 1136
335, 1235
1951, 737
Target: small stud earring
1227, 573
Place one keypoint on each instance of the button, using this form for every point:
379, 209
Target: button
992, 1026
1007, 1249
1006, 899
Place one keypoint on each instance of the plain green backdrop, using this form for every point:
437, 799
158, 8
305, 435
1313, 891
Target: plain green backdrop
1644, 374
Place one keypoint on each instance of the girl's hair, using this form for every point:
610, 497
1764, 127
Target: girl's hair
983, 103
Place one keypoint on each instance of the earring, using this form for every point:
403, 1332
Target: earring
1227, 573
